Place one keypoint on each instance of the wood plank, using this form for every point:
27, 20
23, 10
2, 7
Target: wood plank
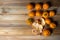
13, 10
15, 31
29, 38
22, 31
22, 17
19, 19
56, 2
13, 17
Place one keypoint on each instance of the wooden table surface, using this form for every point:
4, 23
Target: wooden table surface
13, 25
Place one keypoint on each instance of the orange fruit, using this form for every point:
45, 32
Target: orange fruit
30, 21
48, 21
31, 14
38, 14
52, 25
51, 13
30, 6
45, 6
38, 6
45, 15
46, 32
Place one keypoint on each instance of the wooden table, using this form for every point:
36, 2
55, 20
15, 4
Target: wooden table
13, 25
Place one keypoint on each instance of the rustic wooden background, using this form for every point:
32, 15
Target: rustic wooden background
13, 25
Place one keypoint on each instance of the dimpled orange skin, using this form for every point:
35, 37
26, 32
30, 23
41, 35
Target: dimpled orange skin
31, 14
30, 6
45, 15
52, 25
52, 13
48, 21
46, 33
45, 6
38, 14
38, 6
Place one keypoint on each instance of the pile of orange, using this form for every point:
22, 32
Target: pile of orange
41, 10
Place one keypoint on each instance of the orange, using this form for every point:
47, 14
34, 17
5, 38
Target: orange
38, 13
30, 21
38, 6
51, 13
52, 25
30, 6
31, 14
48, 21
46, 33
45, 6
